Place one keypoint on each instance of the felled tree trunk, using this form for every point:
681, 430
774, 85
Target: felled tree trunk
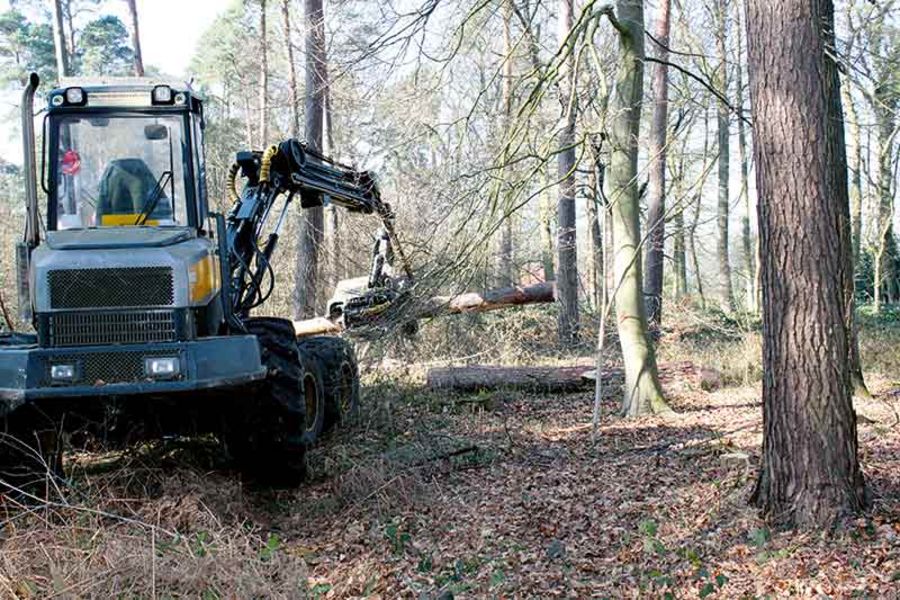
475, 378
538, 379
488, 300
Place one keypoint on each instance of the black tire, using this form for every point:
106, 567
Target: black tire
340, 374
270, 428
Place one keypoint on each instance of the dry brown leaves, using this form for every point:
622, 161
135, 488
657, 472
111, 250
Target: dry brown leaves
655, 508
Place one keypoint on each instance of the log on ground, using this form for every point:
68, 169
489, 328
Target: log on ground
536, 379
550, 379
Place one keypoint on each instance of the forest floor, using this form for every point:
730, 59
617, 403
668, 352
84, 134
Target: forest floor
494, 495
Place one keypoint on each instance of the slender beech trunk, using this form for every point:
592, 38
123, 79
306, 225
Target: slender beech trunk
810, 473
506, 269
656, 211
312, 223
332, 232
292, 69
248, 122
63, 66
545, 216
596, 203
854, 144
698, 204
643, 393
726, 289
855, 171
566, 243
263, 76
136, 39
676, 162
746, 235
884, 254
679, 256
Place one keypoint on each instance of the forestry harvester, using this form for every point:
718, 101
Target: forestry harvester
141, 297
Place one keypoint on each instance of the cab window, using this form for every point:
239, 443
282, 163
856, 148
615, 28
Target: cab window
120, 171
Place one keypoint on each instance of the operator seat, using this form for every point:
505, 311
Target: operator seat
125, 188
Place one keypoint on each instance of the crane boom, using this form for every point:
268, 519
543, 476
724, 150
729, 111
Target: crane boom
289, 169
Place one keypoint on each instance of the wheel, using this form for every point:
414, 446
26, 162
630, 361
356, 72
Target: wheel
340, 374
269, 429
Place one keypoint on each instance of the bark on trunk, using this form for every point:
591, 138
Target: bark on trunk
567, 256
679, 255
506, 266
656, 210
885, 277
136, 39
810, 473
643, 393
854, 144
312, 219
595, 206
746, 234
695, 221
292, 69
63, 66
263, 75
545, 210
726, 289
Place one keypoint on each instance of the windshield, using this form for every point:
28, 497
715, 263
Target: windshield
120, 171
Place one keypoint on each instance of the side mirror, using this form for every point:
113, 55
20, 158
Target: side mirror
156, 132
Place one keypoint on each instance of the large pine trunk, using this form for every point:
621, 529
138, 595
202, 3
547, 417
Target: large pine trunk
656, 211
643, 393
63, 65
810, 473
567, 257
136, 39
312, 219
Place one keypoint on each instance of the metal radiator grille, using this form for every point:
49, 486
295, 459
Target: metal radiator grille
97, 368
132, 327
111, 288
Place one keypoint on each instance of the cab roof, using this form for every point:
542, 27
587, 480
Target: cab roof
120, 84
118, 93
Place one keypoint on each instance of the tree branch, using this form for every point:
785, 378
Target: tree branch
610, 13
705, 84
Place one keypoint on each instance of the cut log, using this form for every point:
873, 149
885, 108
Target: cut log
317, 326
541, 379
489, 300
537, 379
449, 305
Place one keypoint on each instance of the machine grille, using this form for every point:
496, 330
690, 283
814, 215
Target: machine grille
96, 328
97, 368
111, 288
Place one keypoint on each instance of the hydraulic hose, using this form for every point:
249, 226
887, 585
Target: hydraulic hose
265, 167
231, 183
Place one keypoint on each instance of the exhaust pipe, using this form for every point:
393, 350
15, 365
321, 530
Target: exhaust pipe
32, 222
32, 218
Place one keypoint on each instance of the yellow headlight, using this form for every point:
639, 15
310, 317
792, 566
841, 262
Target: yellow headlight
203, 277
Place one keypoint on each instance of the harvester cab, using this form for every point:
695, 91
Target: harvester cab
142, 299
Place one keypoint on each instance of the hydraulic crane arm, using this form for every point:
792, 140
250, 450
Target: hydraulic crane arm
289, 169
